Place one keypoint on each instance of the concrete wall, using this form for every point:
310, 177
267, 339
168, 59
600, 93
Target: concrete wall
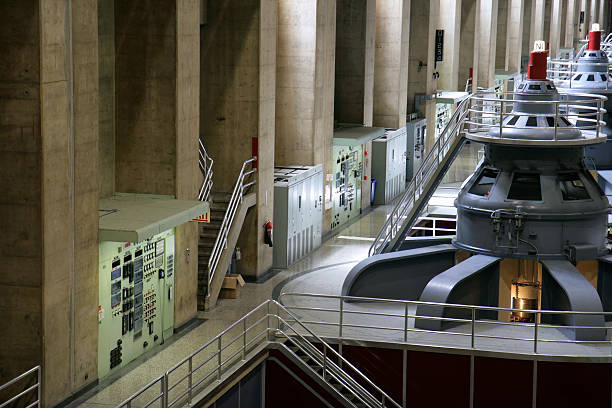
352, 44
391, 62
20, 182
527, 46
466, 51
237, 90
145, 75
86, 191
502, 30
450, 22
188, 175
106, 117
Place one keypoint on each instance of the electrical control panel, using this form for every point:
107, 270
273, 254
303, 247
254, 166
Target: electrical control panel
298, 212
346, 184
389, 165
136, 299
416, 132
443, 116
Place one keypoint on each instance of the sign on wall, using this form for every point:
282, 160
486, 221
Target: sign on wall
439, 46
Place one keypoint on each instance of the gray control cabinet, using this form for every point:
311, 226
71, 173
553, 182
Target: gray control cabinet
298, 215
389, 165
416, 131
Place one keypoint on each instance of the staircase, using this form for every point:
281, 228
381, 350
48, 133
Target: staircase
219, 237
219, 203
424, 183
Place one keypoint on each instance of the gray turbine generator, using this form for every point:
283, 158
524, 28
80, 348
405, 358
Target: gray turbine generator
590, 74
532, 199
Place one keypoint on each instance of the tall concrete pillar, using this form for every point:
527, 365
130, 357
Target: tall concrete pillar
571, 19
49, 156
584, 11
466, 51
354, 82
501, 33
536, 30
424, 15
305, 85
526, 47
514, 35
485, 43
450, 22
593, 16
391, 62
602, 13
238, 94
547, 20
563, 18
555, 29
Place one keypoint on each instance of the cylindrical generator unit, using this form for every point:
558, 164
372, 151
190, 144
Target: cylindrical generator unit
589, 74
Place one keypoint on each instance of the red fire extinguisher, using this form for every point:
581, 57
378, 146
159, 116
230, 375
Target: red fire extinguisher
268, 233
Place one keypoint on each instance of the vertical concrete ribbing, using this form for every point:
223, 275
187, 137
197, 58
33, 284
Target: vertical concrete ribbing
514, 35
466, 51
570, 22
188, 176
485, 43
536, 32
391, 62
450, 22
555, 28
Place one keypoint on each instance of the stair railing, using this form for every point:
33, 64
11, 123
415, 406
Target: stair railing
185, 384
228, 219
416, 190
332, 364
206, 163
27, 390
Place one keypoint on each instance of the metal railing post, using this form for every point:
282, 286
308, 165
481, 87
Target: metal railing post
164, 391
324, 361
535, 334
190, 379
38, 388
219, 359
268, 320
473, 326
406, 323
244, 330
556, 118
341, 317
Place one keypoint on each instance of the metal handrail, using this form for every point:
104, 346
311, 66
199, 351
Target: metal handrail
276, 327
341, 322
562, 71
206, 164
585, 111
31, 388
228, 219
414, 191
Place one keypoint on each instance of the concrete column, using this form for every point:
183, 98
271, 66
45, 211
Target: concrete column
502, 33
603, 18
49, 152
391, 62
547, 20
593, 16
188, 175
450, 22
466, 51
571, 18
304, 84
354, 82
485, 43
536, 30
106, 115
514, 35
555, 29
583, 28
237, 91
525, 48
424, 15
